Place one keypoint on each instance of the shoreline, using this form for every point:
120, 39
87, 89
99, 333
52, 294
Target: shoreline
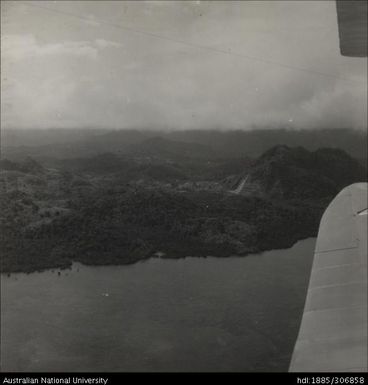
68, 266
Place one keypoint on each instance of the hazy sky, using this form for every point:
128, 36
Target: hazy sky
177, 65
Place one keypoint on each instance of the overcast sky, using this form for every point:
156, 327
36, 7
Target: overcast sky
178, 65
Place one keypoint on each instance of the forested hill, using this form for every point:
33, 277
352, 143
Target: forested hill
118, 209
296, 173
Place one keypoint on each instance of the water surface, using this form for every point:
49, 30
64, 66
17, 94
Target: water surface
192, 314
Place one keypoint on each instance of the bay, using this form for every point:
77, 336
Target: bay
191, 314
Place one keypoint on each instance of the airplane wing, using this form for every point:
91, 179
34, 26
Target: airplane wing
352, 24
333, 331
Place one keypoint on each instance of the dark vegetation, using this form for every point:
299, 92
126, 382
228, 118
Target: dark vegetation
163, 197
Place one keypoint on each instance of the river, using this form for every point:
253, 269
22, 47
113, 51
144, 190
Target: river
191, 314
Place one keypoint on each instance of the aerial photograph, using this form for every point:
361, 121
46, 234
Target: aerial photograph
183, 188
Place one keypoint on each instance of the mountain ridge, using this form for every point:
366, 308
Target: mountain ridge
223, 144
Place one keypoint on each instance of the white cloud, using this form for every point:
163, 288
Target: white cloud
102, 43
65, 73
17, 47
90, 20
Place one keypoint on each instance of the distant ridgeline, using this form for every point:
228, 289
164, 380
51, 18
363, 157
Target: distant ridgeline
210, 144
163, 198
